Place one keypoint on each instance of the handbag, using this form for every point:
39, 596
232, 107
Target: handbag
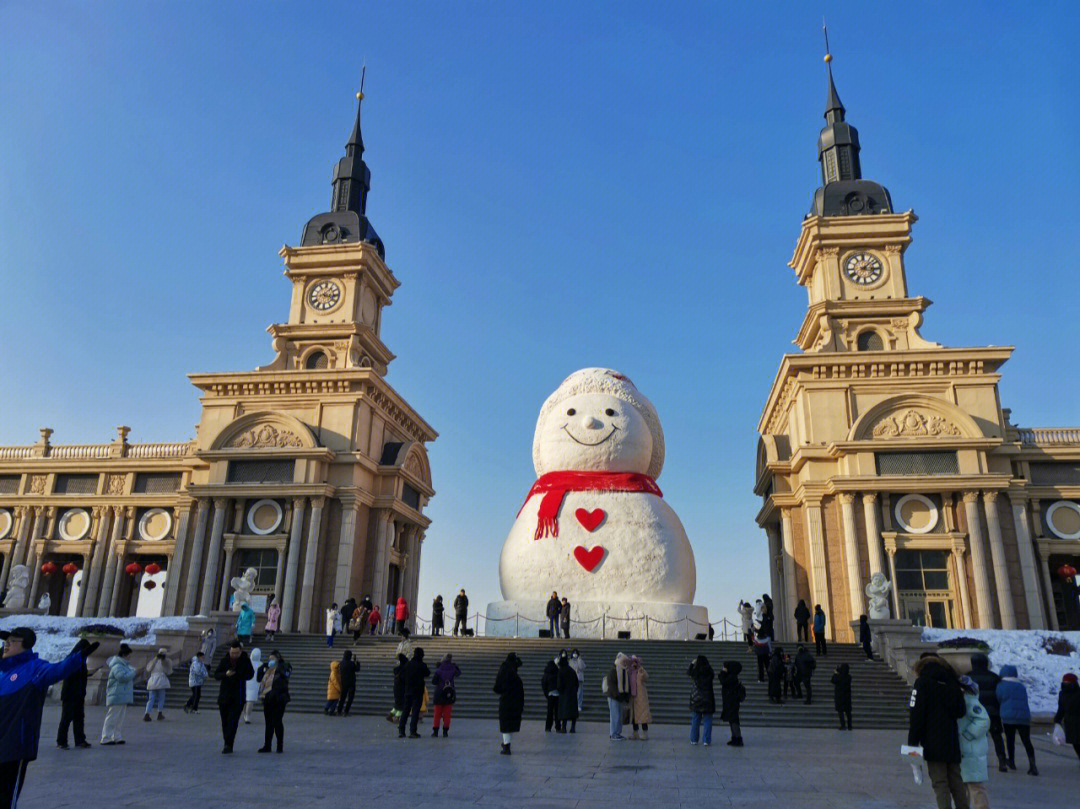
1058, 735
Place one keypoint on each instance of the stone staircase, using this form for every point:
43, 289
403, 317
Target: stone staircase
879, 695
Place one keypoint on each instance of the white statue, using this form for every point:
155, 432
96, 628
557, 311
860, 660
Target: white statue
243, 587
45, 602
18, 584
878, 593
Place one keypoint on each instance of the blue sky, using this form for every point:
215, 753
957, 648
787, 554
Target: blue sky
558, 185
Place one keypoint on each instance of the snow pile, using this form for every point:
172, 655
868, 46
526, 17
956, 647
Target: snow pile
1039, 671
57, 635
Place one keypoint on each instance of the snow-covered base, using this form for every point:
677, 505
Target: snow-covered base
1039, 671
57, 635
523, 618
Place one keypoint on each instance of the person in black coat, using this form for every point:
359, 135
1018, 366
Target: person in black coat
437, 610
461, 612
564, 617
511, 693
73, 705
702, 700
767, 607
777, 670
936, 703
865, 638
273, 677
1068, 711
233, 672
347, 673
399, 688
568, 688
988, 683
804, 666
416, 673
549, 684
347, 609
802, 622
841, 681
732, 693
552, 611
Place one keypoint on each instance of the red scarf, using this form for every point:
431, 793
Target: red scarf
555, 485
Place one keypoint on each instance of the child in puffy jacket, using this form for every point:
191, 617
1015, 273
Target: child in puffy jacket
1015, 716
333, 688
197, 675
973, 727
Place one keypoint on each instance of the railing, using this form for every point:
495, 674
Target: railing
79, 450
610, 625
167, 450
14, 453
1044, 436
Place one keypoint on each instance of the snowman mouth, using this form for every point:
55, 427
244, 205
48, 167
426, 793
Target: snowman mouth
593, 443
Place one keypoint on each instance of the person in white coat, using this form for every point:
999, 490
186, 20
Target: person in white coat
157, 670
577, 663
251, 687
197, 675
333, 623
746, 617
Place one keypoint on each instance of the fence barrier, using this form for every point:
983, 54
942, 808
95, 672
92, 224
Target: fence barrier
722, 630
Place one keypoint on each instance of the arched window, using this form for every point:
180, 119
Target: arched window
870, 340
316, 360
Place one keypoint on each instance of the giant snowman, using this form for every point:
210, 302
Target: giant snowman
595, 527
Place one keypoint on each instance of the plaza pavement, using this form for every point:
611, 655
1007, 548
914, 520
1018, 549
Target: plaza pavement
332, 763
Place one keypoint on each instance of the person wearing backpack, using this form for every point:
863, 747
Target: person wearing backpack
445, 694
732, 694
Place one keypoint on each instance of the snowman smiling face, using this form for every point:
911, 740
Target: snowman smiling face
592, 432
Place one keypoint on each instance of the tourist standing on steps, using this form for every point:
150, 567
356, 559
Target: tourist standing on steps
401, 614
273, 618
416, 674
197, 675
746, 618
232, 672
374, 619
552, 610
333, 623
568, 695
251, 687
819, 631
549, 684
273, 678
400, 672
762, 646
973, 727
988, 683
766, 627
347, 610
437, 610
640, 712
157, 684
1015, 716
245, 624
767, 607
442, 681
73, 704
577, 663
1068, 711
119, 693
936, 703
802, 622
732, 694
24, 679
333, 688
359, 622
841, 681
614, 686
564, 617
702, 700
777, 670
461, 612
405, 646
865, 638
804, 666
209, 643
347, 674
511, 693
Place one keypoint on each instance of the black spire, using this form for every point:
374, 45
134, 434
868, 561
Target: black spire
843, 191
347, 220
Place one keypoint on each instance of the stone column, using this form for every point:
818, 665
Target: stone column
772, 531
961, 577
206, 602
226, 570
22, 540
22, 514
890, 553
346, 545
978, 561
791, 592
176, 564
819, 585
414, 579
873, 533
1032, 586
1001, 564
82, 589
41, 518
851, 553
310, 557
109, 577
384, 537
288, 595
196, 563
92, 581
118, 579
1048, 588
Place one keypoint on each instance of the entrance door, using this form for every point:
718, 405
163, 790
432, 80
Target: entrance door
925, 609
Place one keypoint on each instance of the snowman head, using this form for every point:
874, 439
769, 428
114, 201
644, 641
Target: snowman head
597, 421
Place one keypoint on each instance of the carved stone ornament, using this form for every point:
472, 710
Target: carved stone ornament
37, 484
412, 466
914, 424
115, 484
266, 436
877, 591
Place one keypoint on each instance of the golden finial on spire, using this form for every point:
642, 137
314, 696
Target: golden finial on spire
363, 73
825, 29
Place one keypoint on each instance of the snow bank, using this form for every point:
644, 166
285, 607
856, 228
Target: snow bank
56, 635
1039, 671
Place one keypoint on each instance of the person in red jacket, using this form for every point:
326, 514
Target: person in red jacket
401, 614
374, 619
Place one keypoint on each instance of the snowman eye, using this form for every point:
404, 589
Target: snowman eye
571, 412
609, 412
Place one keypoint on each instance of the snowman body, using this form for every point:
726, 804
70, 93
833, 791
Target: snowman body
595, 527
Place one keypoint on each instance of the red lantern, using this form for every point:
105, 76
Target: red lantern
133, 569
150, 584
49, 568
1066, 571
70, 569
153, 569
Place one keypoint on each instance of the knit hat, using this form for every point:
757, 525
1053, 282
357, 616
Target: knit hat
605, 380
1070, 678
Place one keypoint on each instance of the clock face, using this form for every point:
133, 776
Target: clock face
324, 296
863, 268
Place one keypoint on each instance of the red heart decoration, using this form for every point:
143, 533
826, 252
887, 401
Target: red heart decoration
589, 559
590, 519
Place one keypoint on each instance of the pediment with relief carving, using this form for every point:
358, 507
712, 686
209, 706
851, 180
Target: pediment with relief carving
915, 424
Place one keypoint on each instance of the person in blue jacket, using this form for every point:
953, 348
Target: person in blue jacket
1015, 716
820, 648
24, 679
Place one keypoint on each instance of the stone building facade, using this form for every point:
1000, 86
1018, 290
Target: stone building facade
311, 469
882, 451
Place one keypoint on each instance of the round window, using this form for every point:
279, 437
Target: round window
1063, 519
916, 514
155, 524
5, 523
264, 517
74, 524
